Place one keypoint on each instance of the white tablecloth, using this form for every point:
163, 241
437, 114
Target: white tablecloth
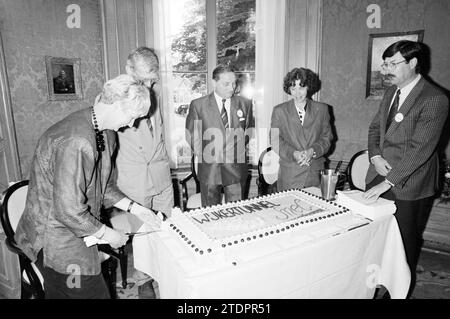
349, 265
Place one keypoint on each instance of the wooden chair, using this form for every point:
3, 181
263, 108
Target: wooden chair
119, 254
357, 170
13, 204
195, 200
268, 167
11, 210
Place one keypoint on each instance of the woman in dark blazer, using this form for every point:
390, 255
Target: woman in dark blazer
300, 132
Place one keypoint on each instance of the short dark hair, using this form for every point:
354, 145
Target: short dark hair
408, 49
222, 69
307, 78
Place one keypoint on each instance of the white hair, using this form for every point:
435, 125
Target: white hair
125, 87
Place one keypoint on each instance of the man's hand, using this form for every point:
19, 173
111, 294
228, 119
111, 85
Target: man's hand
381, 166
147, 216
377, 191
115, 238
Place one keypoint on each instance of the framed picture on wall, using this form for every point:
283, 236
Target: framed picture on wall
376, 83
63, 78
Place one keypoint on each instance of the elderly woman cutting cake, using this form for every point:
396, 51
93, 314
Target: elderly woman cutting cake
71, 178
300, 132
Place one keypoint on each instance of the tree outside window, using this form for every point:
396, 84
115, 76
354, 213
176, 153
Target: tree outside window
190, 46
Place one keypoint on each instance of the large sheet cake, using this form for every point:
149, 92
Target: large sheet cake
233, 229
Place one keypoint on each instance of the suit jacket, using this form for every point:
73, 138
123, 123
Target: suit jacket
221, 153
68, 184
410, 143
142, 161
292, 136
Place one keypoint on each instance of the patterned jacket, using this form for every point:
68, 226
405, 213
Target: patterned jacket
68, 184
410, 144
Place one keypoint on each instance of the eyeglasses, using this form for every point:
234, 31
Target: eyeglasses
391, 65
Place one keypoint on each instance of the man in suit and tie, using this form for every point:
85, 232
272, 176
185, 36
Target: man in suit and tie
403, 139
143, 171
217, 128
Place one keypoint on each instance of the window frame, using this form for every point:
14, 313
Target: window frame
211, 55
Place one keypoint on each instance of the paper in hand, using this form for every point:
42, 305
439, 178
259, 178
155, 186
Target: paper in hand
92, 240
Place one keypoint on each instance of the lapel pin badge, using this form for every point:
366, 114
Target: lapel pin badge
398, 117
240, 113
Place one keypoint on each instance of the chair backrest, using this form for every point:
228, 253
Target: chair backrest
194, 166
357, 170
13, 206
268, 166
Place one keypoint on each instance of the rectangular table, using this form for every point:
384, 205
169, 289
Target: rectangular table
348, 265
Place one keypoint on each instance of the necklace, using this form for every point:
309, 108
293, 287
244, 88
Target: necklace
99, 139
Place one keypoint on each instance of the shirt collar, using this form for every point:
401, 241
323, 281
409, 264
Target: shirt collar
219, 101
305, 108
408, 88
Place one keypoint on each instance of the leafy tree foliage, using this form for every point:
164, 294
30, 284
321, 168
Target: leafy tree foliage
236, 36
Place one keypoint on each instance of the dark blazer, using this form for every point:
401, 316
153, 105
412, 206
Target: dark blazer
409, 145
315, 133
222, 158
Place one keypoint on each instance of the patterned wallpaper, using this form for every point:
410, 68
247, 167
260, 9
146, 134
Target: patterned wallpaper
31, 30
344, 58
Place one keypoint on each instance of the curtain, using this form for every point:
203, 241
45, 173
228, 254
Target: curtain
165, 87
270, 65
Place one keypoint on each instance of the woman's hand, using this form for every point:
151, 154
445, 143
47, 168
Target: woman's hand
147, 216
299, 156
307, 156
116, 238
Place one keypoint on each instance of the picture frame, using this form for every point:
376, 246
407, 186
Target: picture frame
378, 43
63, 78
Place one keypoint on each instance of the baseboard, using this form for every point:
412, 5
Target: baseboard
436, 246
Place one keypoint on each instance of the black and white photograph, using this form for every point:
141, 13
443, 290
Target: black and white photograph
64, 78
225, 157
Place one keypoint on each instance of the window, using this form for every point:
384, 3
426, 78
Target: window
199, 35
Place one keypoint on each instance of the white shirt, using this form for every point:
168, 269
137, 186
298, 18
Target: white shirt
227, 105
405, 91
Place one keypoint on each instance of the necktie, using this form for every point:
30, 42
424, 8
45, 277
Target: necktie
224, 115
393, 110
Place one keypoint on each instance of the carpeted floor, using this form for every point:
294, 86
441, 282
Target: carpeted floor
433, 278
